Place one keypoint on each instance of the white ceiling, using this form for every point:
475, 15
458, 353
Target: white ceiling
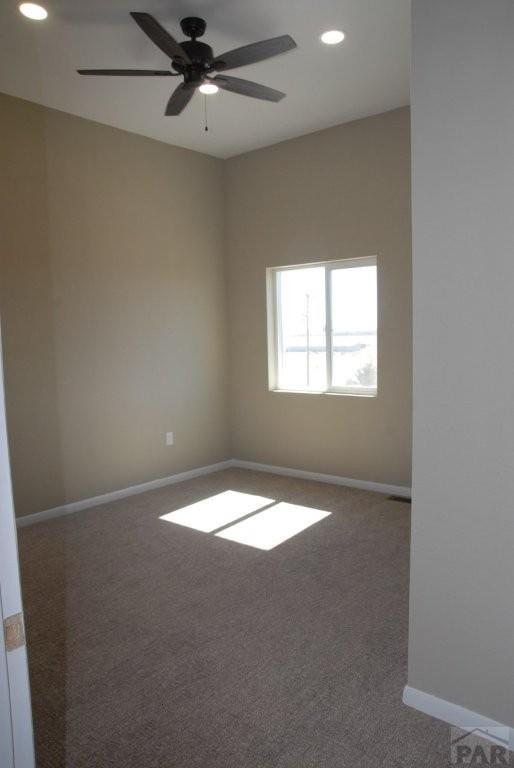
325, 85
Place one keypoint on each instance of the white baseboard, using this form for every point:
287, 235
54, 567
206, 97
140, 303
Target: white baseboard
454, 714
364, 485
105, 498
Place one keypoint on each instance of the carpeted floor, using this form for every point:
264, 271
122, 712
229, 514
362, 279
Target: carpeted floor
153, 645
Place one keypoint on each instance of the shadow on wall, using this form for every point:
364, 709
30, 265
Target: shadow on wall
26, 312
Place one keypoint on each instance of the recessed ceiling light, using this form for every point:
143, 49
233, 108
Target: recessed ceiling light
208, 88
332, 37
33, 11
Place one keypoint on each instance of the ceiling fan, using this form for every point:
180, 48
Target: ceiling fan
196, 62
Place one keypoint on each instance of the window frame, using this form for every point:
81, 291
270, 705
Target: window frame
275, 336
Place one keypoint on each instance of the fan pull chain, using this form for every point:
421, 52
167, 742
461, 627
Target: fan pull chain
205, 113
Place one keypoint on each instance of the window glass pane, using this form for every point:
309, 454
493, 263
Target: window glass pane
354, 327
301, 328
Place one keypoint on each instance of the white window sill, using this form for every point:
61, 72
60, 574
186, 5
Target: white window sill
368, 395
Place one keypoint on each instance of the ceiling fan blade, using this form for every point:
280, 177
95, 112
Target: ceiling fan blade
160, 36
179, 99
127, 72
249, 54
247, 88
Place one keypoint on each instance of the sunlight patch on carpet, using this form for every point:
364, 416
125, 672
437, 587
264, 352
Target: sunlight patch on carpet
210, 514
272, 526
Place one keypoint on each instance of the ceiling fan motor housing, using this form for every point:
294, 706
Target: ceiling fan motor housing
200, 54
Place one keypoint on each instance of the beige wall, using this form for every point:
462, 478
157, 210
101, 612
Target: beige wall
461, 645
113, 306
340, 193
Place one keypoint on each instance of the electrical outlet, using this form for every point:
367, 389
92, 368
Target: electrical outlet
169, 438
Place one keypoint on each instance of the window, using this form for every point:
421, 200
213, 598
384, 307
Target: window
322, 327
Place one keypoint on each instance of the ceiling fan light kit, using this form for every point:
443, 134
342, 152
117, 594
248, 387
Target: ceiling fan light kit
332, 37
196, 63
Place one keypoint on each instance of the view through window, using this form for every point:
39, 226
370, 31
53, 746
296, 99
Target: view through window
323, 327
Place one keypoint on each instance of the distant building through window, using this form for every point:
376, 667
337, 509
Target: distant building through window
322, 327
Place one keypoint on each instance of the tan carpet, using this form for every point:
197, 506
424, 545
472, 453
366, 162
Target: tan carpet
152, 645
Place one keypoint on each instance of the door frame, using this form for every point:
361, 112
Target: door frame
17, 742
